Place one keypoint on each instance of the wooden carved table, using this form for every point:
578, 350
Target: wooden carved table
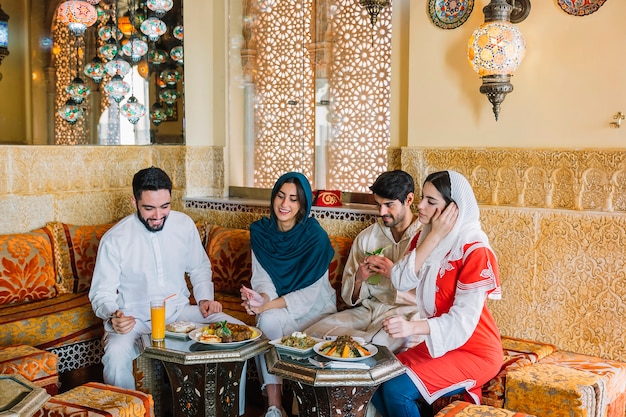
332, 392
205, 380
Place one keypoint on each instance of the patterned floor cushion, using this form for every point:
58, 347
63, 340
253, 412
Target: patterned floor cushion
613, 372
465, 409
555, 391
36, 365
95, 399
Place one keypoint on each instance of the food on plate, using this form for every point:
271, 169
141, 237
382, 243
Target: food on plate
226, 332
298, 340
180, 327
344, 347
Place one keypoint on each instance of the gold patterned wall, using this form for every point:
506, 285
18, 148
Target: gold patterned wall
557, 222
92, 184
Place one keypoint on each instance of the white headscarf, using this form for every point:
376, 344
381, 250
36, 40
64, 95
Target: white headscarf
467, 229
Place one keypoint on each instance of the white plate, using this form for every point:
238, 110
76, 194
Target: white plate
195, 335
177, 335
373, 350
291, 349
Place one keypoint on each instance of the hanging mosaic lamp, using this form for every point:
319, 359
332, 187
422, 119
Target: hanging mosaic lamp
178, 32
109, 49
157, 56
77, 15
143, 69
124, 24
153, 28
135, 48
138, 17
169, 76
374, 8
177, 54
117, 66
133, 110
117, 88
105, 32
169, 96
71, 112
157, 114
103, 15
494, 51
78, 90
160, 7
95, 69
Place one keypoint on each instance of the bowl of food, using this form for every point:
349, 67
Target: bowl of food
344, 348
296, 342
224, 334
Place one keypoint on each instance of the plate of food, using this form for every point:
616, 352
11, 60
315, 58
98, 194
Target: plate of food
298, 343
345, 348
225, 335
180, 329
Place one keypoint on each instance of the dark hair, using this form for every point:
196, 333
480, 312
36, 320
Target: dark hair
394, 185
301, 198
441, 181
150, 179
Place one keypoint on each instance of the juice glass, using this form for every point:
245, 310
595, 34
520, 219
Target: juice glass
157, 315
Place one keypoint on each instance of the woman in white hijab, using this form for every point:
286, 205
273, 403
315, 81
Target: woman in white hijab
453, 270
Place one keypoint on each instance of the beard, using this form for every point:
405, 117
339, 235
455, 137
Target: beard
146, 223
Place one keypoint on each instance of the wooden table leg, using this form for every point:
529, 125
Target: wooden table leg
201, 390
331, 401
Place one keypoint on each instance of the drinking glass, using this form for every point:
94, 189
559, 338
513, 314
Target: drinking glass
157, 315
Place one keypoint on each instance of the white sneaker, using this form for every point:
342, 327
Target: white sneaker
273, 411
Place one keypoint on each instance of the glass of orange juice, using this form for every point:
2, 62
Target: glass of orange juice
157, 315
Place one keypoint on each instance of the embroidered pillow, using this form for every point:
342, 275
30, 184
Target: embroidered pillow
27, 270
231, 261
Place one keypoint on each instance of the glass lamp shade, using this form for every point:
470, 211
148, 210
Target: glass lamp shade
153, 28
117, 88
169, 76
160, 7
124, 24
117, 67
178, 32
95, 69
71, 112
496, 48
157, 114
78, 15
177, 54
157, 56
135, 48
78, 90
169, 96
106, 31
108, 50
4, 34
133, 110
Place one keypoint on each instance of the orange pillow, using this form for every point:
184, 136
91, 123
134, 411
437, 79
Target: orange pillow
27, 270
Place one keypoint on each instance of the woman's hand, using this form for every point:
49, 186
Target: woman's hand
442, 223
252, 300
398, 326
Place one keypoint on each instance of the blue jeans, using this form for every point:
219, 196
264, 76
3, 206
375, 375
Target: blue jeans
398, 397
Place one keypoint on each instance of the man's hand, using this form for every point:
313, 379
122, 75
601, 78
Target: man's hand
208, 307
122, 324
378, 264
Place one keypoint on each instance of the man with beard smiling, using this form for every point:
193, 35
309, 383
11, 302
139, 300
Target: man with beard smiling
366, 285
145, 256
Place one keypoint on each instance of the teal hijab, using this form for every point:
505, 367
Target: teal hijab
299, 257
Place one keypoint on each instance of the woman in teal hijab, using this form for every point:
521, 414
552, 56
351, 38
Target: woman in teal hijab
290, 258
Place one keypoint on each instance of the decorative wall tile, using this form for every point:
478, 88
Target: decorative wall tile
25, 213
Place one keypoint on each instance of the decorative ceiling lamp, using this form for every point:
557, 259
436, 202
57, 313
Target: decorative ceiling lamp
133, 110
117, 88
95, 69
109, 50
71, 112
160, 7
157, 114
176, 53
169, 96
117, 66
78, 90
135, 48
124, 24
178, 32
157, 56
374, 7
106, 31
153, 28
4, 35
170, 76
78, 15
497, 47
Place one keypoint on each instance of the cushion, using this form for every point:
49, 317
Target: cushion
96, 399
342, 246
76, 254
551, 390
36, 365
463, 408
231, 261
27, 272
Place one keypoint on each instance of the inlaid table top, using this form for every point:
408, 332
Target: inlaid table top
19, 397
